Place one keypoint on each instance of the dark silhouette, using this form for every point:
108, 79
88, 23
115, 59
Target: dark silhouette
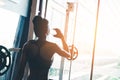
39, 53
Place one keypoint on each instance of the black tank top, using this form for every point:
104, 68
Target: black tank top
39, 67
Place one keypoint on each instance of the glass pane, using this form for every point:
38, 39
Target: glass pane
107, 56
107, 62
8, 25
55, 22
83, 39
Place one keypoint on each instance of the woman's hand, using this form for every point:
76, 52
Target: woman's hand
58, 33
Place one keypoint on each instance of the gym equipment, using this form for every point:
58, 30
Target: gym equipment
74, 52
73, 49
94, 44
5, 60
68, 10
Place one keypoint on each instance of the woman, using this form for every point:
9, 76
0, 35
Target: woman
39, 53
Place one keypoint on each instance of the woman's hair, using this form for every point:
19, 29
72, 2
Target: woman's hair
40, 26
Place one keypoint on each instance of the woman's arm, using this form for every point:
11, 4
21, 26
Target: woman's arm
65, 46
61, 52
60, 35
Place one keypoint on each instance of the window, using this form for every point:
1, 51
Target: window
107, 53
8, 25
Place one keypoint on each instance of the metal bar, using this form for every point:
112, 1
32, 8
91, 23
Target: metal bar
14, 49
73, 41
45, 8
65, 36
94, 46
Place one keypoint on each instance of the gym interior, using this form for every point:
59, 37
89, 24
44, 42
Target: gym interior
92, 26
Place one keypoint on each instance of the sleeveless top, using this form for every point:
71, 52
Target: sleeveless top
39, 67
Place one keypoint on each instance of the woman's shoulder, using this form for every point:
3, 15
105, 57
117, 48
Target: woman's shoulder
29, 43
50, 43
